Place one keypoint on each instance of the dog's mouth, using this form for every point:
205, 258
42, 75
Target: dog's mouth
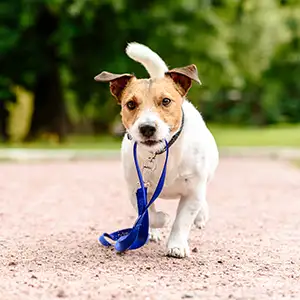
151, 143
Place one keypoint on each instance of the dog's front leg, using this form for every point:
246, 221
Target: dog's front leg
157, 218
187, 211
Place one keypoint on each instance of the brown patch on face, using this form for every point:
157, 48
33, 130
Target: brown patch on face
148, 94
138, 95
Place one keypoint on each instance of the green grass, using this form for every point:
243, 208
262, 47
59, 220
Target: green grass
226, 136
278, 136
73, 142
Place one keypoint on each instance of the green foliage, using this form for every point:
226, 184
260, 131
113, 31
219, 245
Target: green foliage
247, 52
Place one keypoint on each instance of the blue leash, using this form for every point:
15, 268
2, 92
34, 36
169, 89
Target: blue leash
137, 236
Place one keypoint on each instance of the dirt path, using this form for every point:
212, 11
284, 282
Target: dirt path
51, 215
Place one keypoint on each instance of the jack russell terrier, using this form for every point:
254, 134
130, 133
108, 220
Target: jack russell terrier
155, 110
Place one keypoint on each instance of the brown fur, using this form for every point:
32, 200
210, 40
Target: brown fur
118, 82
149, 93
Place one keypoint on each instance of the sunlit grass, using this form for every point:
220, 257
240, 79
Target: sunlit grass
226, 136
277, 136
73, 142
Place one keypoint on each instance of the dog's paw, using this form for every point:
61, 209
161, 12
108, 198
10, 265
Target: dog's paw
178, 250
154, 235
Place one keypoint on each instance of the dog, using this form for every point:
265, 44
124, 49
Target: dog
154, 110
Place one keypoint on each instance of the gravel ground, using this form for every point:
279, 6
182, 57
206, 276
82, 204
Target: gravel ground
52, 213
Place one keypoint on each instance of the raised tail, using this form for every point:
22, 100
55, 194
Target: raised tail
152, 62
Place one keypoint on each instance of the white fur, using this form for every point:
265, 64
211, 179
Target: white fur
154, 65
150, 117
192, 162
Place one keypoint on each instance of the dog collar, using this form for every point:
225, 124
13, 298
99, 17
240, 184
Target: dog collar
172, 140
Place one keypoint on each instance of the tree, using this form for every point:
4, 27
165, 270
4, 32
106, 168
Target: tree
245, 52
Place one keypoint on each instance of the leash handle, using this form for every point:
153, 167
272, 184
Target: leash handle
137, 236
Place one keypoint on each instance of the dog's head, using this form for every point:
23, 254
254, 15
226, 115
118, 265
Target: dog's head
151, 108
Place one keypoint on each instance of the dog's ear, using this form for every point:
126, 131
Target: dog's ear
117, 82
183, 77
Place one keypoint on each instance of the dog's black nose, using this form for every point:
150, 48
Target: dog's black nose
147, 130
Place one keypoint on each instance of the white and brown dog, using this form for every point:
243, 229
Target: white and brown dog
154, 110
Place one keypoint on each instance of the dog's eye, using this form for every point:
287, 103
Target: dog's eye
166, 102
131, 105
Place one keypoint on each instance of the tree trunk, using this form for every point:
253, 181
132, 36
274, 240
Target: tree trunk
49, 113
4, 115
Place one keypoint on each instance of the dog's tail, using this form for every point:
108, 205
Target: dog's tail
154, 65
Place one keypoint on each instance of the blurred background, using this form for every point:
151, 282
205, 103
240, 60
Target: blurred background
247, 53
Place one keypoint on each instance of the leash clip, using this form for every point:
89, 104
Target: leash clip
148, 167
